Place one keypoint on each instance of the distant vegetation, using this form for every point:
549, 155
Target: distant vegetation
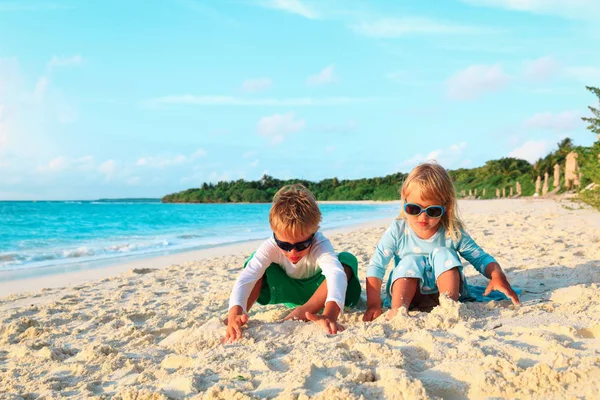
502, 173
128, 200
589, 157
262, 191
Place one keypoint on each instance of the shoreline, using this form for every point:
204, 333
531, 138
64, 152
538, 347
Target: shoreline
106, 269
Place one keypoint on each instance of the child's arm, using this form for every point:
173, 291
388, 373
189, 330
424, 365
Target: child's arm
487, 266
499, 282
384, 252
235, 320
374, 309
335, 279
238, 300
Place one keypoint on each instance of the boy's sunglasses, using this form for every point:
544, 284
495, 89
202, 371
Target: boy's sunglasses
300, 246
431, 211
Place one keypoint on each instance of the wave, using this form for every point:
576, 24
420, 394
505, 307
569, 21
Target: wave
40, 258
42, 236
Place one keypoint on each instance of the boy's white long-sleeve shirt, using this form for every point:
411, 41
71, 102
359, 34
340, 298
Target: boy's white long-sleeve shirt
320, 258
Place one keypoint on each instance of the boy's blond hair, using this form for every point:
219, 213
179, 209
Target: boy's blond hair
435, 184
295, 211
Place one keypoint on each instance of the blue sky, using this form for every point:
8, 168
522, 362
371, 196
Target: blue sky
136, 98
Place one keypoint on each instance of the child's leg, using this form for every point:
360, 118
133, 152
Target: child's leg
405, 281
449, 282
317, 300
254, 294
446, 264
403, 292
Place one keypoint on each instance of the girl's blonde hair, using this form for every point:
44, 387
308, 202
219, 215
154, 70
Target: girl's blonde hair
295, 211
434, 184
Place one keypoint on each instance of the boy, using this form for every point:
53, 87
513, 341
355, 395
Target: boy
297, 266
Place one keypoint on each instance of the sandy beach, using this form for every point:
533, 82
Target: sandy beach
153, 331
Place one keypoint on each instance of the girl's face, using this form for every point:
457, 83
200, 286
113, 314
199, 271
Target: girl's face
423, 225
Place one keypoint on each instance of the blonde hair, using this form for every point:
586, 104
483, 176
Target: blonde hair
434, 184
295, 211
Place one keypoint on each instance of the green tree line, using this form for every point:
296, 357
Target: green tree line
263, 190
495, 174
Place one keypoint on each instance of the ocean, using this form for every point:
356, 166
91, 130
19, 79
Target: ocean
38, 238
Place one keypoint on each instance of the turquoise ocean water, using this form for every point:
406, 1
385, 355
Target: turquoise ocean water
38, 238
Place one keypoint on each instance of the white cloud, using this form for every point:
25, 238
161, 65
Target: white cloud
55, 165
255, 163
108, 168
56, 61
189, 99
62, 163
256, 85
133, 181
291, 6
200, 153
85, 162
475, 81
411, 162
389, 28
585, 75
459, 146
219, 176
434, 155
324, 77
41, 87
531, 150
250, 154
566, 121
31, 112
541, 69
579, 9
161, 162
513, 140
330, 149
3, 128
448, 158
277, 126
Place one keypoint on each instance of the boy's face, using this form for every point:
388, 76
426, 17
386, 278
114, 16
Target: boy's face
294, 255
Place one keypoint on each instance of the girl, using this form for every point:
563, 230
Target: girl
425, 242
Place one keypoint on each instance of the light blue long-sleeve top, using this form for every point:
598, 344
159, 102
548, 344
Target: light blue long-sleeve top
400, 240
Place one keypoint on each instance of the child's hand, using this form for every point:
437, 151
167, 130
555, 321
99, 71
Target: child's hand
500, 283
331, 327
372, 313
236, 319
297, 314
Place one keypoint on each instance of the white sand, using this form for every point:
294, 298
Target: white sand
154, 333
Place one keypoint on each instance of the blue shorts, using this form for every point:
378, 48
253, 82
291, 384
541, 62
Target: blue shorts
428, 269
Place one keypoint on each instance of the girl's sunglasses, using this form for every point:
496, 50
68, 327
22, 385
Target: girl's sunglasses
431, 211
300, 246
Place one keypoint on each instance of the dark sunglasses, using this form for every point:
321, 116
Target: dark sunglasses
431, 211
300, 246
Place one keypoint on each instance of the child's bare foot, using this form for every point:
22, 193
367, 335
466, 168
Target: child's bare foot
297, 314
